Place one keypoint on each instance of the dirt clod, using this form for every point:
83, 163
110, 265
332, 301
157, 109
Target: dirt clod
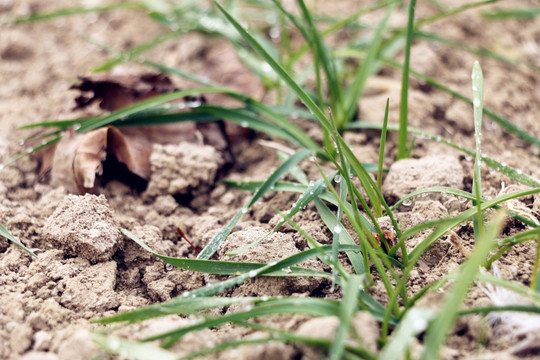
84, 226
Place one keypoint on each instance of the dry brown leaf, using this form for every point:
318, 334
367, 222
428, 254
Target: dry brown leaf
117, 91
78, 158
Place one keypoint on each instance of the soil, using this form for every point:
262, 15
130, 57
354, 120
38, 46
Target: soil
85, 267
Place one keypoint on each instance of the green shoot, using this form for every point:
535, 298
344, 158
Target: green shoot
403, 106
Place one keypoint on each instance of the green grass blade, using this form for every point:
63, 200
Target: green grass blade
347, 309
232, 267
136, 51
450, 12
31, 150
75, 11
129, 349
355, 90
452, 222
282, 73
378, 207
414, 322
509, 171
212, 246
324, 56
404, 104
478, 101
438, 329
5, 233
311, 192
528, 13
331, 221
503, 122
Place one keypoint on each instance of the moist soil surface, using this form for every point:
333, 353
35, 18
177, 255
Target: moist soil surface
87, 269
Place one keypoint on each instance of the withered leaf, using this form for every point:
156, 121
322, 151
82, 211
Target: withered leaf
117, 91
78, 158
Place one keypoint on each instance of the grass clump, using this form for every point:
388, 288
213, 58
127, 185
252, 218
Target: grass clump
332, 105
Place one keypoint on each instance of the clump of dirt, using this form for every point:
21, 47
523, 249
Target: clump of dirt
84, 226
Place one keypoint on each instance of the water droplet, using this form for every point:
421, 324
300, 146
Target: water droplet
438, 138
252, 273
407, 202
311, 192
169, 267
29, 150
313, 158
194, 104
244, 210
21, 142
337, 179
114, 344
76, 126
468, 158
2, 166
185, 294
504, 164
181, 106
275, 33
272, 187
244, 124
311, 183
273, 262
266, 68
264, 298
337, 229
294, 116
287, 270
476, 102
474, 88
519, 172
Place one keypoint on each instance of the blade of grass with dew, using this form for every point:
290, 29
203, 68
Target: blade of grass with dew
180, 305
75, 11
331, 221
478, 96
5, 233
404, 103
31, 150
130, 349
378, 206
438, 329
311, 191
503, 122
212, 246
232, 267
356, 88
307, 306
415, 322
507, 243
282, 73
348, 307
296, 172
452, 222
144, 105
286, 337
535, 282
324, 56
509, 171
367, 249
136, 51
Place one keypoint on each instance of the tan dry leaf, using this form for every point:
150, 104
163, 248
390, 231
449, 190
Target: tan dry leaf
78, 158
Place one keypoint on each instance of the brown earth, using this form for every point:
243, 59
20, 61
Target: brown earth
86, 269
